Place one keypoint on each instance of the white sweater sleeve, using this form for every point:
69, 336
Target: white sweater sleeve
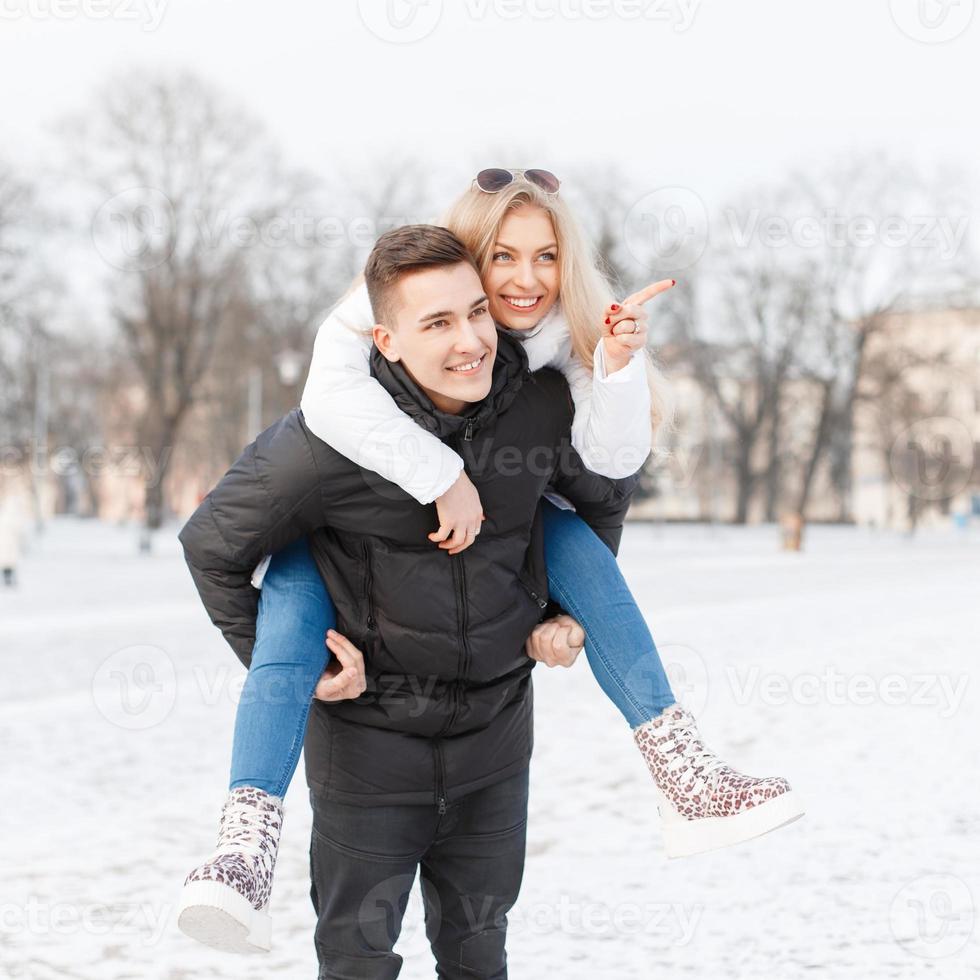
350, 411
611, 429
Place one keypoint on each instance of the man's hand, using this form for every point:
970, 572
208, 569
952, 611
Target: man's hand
460, 516
344, 677
556, 642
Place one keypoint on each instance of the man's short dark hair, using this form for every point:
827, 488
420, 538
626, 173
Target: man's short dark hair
400, 251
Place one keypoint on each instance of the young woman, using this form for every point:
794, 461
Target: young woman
544, 286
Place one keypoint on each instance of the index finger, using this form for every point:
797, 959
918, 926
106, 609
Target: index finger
648, 292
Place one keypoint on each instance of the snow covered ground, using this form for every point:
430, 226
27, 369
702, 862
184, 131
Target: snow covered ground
850, 668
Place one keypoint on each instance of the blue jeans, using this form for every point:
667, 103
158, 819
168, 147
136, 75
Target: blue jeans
295, 613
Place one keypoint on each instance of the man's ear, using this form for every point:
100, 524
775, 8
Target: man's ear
384, 341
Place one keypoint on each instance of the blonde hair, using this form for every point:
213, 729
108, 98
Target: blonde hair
475, 218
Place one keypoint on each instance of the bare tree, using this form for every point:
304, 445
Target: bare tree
742, 347
183, 178
896, 240
30, 296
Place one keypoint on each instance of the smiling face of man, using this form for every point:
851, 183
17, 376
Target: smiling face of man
440, 328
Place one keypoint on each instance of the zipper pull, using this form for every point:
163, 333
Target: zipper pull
468, 434
442, 805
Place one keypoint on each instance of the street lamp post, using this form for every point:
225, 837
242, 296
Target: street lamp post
289, 367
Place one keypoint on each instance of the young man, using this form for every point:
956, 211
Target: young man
428, 768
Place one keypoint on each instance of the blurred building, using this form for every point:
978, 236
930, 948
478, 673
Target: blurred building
914, 446
917, 451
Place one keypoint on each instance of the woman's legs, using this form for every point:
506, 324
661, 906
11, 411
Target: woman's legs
290, 654
704, 803
584, 577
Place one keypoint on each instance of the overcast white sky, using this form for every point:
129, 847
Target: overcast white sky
707, 94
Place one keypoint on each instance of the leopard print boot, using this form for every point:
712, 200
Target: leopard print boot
704, 803
225, 901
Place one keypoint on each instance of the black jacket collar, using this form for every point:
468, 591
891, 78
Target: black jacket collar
509, 371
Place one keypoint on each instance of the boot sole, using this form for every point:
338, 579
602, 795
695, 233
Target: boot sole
218, 916
683, 838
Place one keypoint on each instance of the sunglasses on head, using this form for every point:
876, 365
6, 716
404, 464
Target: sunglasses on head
497, 178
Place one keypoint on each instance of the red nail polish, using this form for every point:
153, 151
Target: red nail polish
614, 307
673, 282
607, 319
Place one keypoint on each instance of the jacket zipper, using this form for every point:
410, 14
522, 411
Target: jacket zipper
440, 778
368, 587
455, 691
542, 603
460, 580
464, 622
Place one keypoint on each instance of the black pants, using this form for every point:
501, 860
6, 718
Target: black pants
471, 859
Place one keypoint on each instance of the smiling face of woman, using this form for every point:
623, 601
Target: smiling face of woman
522, 282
